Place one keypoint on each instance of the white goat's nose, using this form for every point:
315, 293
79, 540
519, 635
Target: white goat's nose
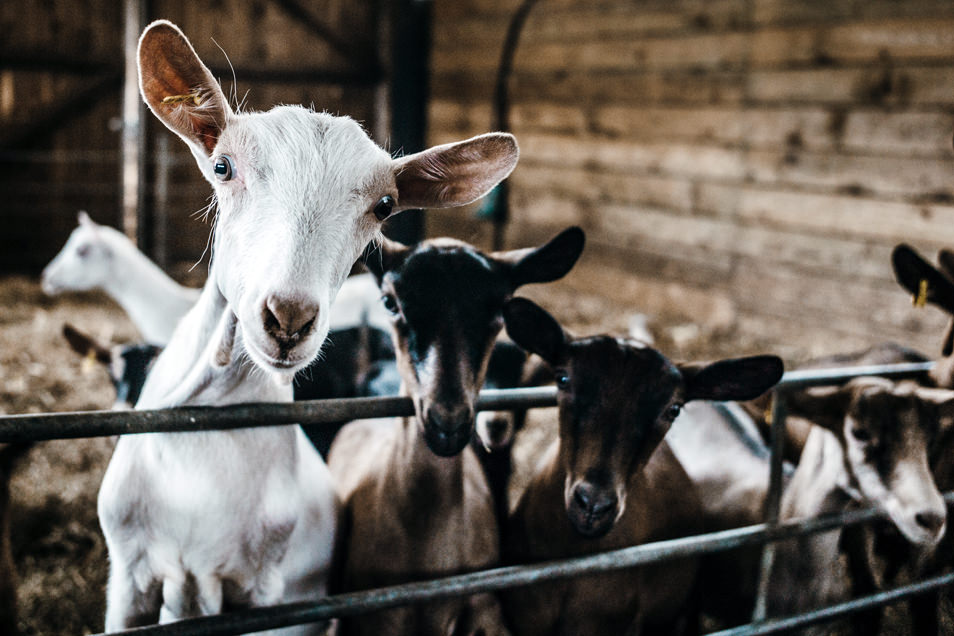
287, 319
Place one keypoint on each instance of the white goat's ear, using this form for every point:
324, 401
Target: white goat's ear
455, 174
226, 340
83, 219
180, 90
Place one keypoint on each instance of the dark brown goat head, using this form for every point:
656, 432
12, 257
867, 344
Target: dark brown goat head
445, 298
617, 399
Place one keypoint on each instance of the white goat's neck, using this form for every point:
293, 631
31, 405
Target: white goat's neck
819, 485
184, 374
137, 283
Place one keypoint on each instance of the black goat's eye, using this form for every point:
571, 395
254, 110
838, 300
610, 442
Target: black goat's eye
390, 303
224, 168
673, 411
861, 434
562, 379
384, 207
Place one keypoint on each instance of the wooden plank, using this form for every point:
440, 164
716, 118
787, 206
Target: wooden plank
673, 159
708, 51
910, 178
916, 38
899, 133
831, 214
603, 186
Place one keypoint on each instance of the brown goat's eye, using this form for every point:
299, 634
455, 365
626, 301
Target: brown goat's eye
224, 168
390, 304
384, 207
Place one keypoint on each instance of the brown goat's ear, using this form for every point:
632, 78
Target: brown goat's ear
733, 379
455, 174
85, 345
825, 406
179, 89
921, 279
535, 330
381, 258
545, 263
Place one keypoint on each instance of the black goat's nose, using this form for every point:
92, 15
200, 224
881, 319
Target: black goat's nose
594, 501
930, 520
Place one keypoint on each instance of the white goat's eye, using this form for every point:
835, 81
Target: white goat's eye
384, 207
224, 168
83, 251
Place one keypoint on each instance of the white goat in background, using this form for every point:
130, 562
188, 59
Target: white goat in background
198, 523
100, 257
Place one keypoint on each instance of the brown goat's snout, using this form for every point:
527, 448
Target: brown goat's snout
447, 429
288, 321
592, 509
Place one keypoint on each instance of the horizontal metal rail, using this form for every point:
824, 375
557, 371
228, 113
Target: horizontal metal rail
834, 612
355, 603
47, 426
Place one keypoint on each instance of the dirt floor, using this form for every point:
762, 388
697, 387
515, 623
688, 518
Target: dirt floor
58, 547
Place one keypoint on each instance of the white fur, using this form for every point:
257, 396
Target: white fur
99, 257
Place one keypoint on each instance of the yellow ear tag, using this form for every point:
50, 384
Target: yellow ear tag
921, 299
89, 362
768, 415
178, 99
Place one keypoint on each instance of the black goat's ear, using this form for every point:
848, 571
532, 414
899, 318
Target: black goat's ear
382, 257
86, 345
548, 262
535, 330
921, 279
732, 379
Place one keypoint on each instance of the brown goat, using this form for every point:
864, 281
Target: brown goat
610, 480
416, 499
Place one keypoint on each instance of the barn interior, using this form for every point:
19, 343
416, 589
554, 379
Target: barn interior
742, 170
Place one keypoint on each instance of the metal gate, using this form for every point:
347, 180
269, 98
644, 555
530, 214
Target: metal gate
23, 428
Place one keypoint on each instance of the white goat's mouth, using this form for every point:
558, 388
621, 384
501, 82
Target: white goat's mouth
285, 366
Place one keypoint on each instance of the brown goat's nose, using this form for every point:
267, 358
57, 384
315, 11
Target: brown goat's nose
930, 520
595, 501
288, 320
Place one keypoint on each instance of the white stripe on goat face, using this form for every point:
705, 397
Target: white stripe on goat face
292, 221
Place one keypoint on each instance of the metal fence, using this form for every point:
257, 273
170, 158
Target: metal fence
20, 428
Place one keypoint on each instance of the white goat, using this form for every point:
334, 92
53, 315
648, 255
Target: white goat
99, 257
197, 523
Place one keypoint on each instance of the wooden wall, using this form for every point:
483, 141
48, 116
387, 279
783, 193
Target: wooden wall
55, 52
745, 163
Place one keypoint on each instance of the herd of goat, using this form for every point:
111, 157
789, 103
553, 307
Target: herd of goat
647, 449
